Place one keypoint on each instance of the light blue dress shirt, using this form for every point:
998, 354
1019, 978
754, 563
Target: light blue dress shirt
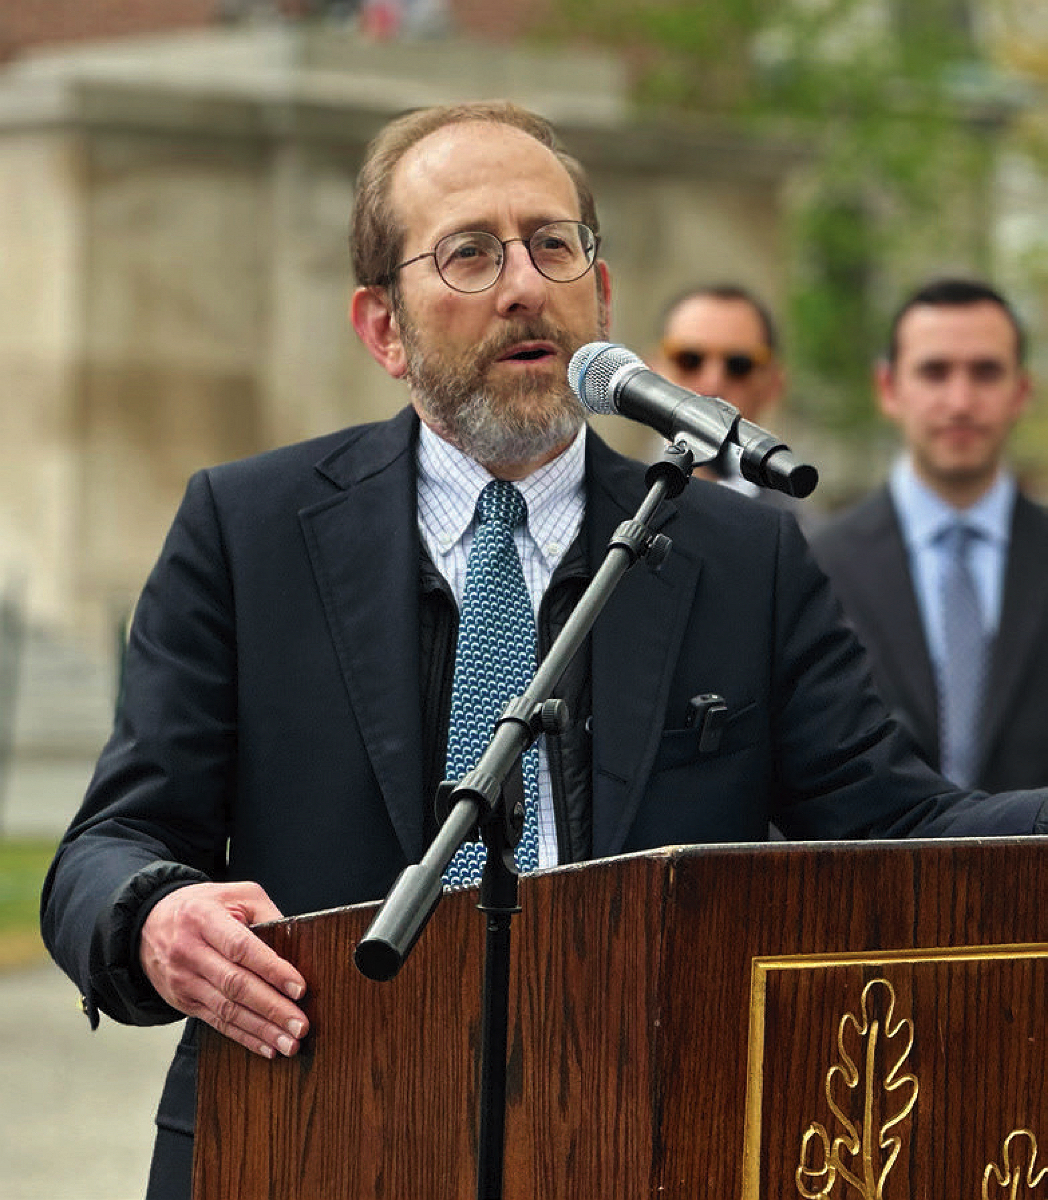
923, 515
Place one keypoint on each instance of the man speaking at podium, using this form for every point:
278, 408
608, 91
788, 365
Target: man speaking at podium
293, 691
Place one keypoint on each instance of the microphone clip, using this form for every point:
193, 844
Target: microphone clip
675, 465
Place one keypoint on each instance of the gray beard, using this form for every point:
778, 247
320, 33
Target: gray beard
507, 426
479, 429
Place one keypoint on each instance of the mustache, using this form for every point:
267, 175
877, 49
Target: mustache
536, 330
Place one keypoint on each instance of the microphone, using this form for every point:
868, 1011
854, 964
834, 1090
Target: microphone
608, 378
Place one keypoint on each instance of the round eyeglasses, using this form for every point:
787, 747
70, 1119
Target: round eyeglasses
472, 261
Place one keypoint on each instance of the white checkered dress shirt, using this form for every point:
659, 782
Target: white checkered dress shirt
448, 486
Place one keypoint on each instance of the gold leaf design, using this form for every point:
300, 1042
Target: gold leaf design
872, 1053
1018, 1167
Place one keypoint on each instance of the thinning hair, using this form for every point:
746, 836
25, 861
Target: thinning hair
731, 292
376, 236
953, 292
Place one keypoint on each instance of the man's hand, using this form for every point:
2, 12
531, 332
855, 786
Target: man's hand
200, 956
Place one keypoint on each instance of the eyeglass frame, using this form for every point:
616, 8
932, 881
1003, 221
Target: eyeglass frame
503, 243
758, 357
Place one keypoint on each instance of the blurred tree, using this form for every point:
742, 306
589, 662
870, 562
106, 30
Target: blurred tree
905, 109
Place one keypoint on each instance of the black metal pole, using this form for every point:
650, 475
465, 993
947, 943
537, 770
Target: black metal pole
498, 901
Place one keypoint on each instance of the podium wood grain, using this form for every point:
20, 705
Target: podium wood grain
674, 1018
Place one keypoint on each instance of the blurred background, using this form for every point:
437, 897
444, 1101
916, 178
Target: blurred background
176, 178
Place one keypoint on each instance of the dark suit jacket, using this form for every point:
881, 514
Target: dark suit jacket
863, 553
272, 704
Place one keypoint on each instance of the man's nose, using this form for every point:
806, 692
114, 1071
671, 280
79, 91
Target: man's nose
521, 284
709, 379
960, 390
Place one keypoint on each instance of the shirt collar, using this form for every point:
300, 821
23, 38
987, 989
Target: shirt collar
554, 493
923, 514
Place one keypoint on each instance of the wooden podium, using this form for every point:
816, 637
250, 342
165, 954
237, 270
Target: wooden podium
863, 1021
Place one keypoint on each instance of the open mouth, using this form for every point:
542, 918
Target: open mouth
527, 354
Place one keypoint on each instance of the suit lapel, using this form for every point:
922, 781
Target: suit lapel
363, 545
635, 642
905, 655
1024, 613
373, 614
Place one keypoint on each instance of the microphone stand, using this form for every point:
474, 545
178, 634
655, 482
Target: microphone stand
491, 796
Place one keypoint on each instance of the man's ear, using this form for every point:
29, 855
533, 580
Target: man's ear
1023, 392
884, 382
603, 278
376, 324
776, 387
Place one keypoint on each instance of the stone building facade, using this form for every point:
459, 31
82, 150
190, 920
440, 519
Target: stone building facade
175, 279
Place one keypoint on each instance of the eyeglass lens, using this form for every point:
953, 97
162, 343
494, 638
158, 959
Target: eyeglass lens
472, 261
736, 365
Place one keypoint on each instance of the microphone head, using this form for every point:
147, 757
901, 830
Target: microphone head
591, 371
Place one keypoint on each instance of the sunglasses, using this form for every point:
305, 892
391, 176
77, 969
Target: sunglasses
738, 364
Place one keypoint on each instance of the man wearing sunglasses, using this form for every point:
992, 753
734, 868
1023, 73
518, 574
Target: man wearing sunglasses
292, 686
720, 340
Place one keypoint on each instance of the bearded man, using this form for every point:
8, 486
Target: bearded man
292, 692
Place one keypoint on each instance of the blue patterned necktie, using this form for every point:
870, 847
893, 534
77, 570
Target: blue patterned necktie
966, 647
494, 660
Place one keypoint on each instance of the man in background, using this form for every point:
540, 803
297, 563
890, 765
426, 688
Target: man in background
720, 340
944, 569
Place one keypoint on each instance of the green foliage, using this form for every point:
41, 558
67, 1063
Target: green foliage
23, 864
834, 334
892, 101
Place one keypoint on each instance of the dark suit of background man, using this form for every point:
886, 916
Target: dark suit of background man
955, 383
287, 684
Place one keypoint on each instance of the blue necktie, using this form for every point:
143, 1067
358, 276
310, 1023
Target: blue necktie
966, 649
494, 660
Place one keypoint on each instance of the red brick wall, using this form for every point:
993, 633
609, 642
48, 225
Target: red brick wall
503, 21
27, 23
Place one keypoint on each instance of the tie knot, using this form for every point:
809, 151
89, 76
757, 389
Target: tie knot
958, 537
502, 503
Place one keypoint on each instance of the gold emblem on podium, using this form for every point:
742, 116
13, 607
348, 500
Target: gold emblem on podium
870, 1094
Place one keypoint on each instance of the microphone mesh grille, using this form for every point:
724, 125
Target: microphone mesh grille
591, 370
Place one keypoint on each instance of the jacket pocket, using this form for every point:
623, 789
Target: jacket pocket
680, 747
